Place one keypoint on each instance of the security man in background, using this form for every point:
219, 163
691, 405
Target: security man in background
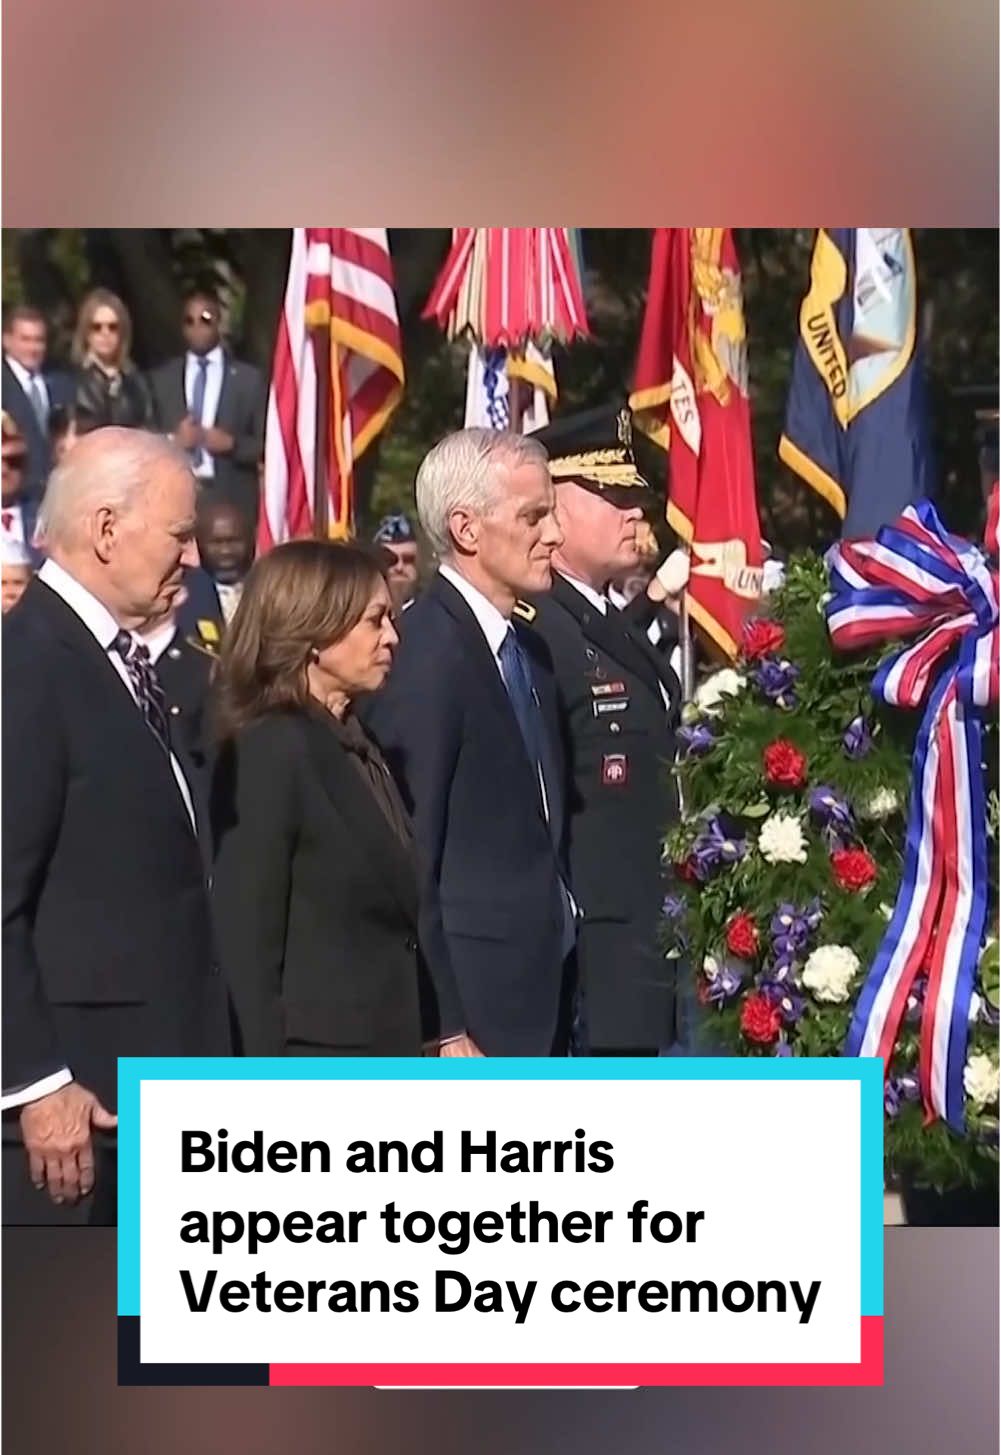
619, 702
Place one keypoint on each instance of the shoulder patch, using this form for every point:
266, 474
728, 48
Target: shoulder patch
525, 611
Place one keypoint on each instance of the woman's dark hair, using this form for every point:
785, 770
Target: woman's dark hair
300, 596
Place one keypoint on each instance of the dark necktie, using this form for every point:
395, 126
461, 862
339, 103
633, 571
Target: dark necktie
518, 680
149, 693
38, 403
198, 405
525, 701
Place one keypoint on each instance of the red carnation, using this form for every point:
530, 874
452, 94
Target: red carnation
762, 637
785, 765
685, 869
742, 937
760, 1021
853, 868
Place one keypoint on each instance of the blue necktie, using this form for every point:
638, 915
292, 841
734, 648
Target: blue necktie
38, 403
197, 406
525, 701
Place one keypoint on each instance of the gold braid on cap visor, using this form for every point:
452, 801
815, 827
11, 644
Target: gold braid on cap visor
600, 467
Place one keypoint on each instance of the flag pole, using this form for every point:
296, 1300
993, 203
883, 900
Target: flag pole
320, 337
687, 645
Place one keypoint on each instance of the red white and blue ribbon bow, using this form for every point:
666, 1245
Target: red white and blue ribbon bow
915, 579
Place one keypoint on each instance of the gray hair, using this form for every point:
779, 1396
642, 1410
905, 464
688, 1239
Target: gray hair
108, 467
461, 470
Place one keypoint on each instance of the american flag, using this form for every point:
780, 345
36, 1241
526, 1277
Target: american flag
340, 292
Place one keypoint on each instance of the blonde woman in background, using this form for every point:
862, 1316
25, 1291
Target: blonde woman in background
109, 388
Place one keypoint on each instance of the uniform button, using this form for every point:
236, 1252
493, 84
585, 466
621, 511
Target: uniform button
411, 945
613, 727
173, 653
175, 711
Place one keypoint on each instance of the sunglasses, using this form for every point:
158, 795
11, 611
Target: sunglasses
204, 317
98, 327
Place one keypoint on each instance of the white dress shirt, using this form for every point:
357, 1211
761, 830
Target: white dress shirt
98, 620
204, 466
24, 377
156, 642
229, 594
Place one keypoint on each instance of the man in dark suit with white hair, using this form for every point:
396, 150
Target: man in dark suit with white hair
107, 946
467, 721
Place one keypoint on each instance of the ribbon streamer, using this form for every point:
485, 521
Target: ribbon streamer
915, 579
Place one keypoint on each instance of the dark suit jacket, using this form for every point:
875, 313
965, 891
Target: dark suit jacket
241, 413
107, 945
491, 912
185, 671
315, 897
619, 742
18, 405
201, 602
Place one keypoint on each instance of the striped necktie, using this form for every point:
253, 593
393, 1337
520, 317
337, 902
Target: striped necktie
149, 693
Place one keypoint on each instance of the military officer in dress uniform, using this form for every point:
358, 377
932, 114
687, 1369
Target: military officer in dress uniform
619, 702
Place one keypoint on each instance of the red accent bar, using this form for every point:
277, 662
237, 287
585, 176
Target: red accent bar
868, 1372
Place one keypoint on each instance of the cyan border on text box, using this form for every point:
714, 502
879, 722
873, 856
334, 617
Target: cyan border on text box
867, 1071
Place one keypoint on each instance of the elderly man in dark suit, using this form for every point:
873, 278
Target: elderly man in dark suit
467, 721
107, 946
214, 407
30, 391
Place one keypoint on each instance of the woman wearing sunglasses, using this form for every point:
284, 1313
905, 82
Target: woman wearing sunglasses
109, 388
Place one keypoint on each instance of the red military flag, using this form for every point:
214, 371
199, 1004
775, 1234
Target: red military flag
337, 377
690, 396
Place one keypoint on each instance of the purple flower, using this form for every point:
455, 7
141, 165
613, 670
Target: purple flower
915, 1001
791, 927
789, 1003
724, 982
776, 679
857, 740
834, 813
673, 907
697, 740
783, 1048
898, 1090
713, 848
782, 969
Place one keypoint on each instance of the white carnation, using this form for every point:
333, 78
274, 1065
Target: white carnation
976, 1005
829, 972
781, 840
883, 803
724, 683
980, 1079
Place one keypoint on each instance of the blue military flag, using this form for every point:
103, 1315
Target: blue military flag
857, 419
